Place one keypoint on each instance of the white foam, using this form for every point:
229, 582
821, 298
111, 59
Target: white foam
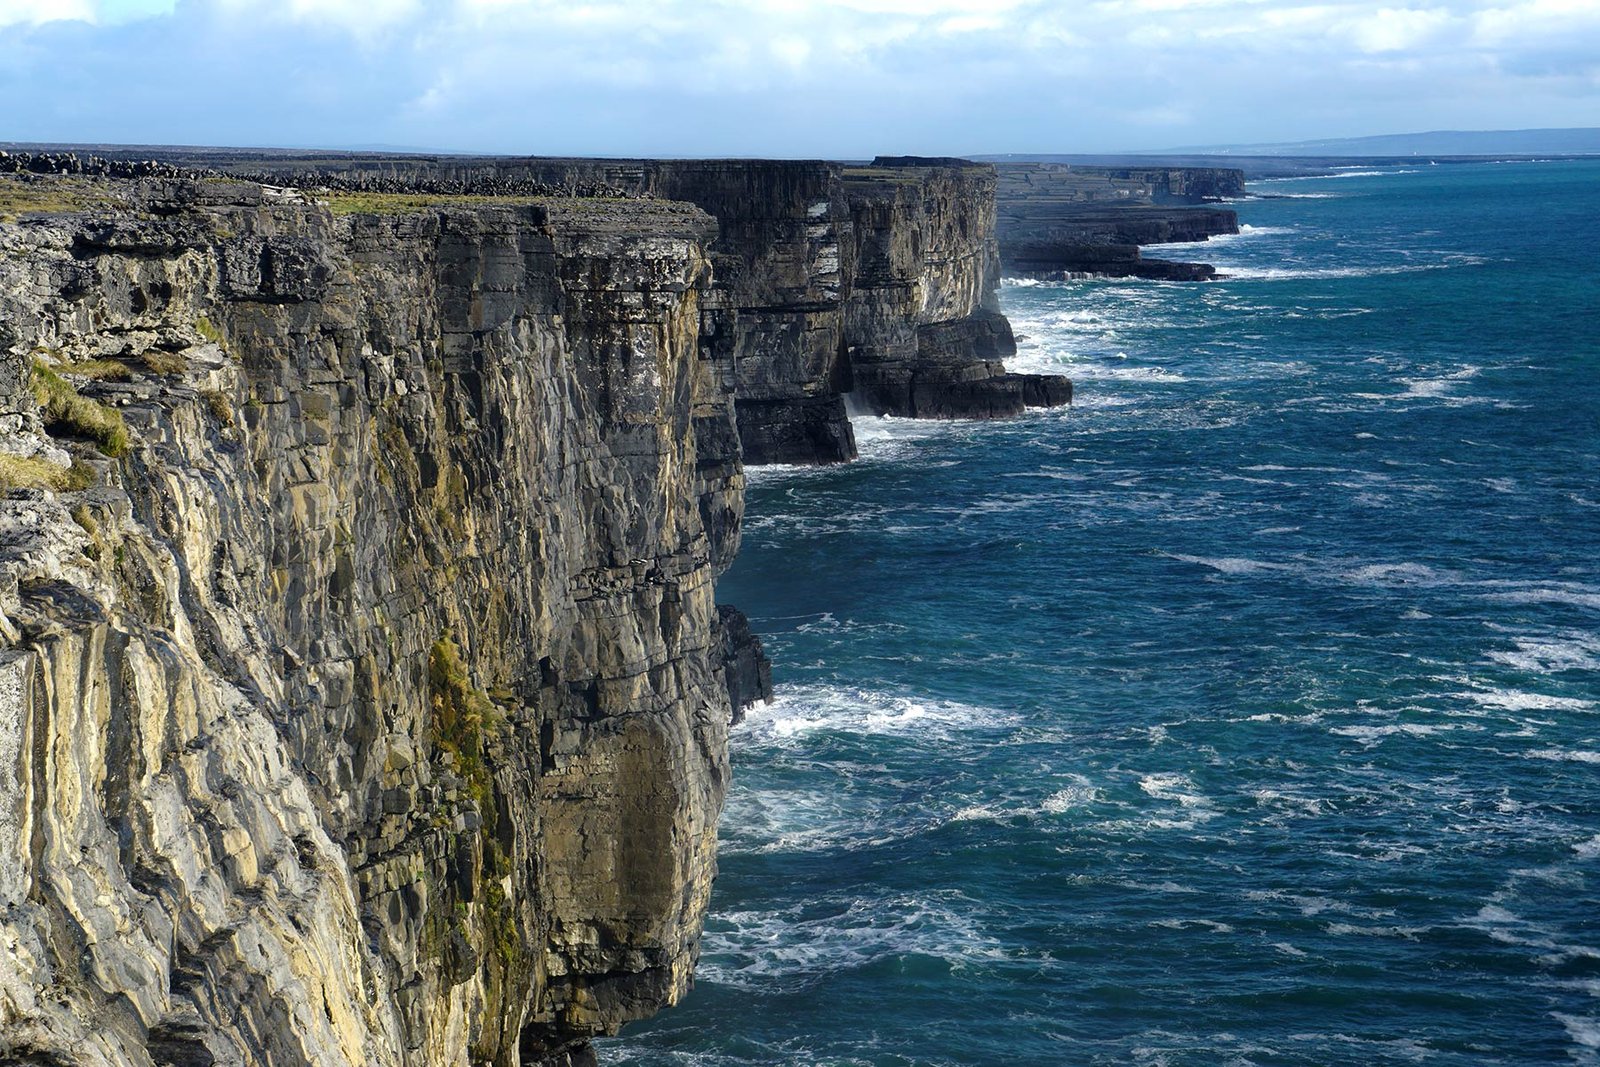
1230, 564
1074, 796
1189, 924
1247, 272
1389, 574
799, 710
750, 948
1080, 793
1437, 386
1409, 933
1564, 755
886, 437
1522, 700
777, 472
1410, 1048
1584, 1030
1246, 232
1551, 653
796, 820
1173, 787
1372, 735
1086, 371
1338, 173
1369, 173
1291, 802
1576, 594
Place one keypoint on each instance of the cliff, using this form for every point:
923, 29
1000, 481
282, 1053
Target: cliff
363, 694
366, 703
1058, 219
881, 281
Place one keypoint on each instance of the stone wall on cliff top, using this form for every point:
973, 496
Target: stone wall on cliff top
370, 708
828, 279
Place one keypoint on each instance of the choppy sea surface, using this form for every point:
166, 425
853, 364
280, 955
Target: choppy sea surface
1246, 713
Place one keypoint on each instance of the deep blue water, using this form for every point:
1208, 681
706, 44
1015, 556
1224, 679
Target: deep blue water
1246, 713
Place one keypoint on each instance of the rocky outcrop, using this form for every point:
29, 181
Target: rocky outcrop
363, 694
748, 671
880, 281
923, 333
1060, 220
1084, 257
1175, 185
369, 706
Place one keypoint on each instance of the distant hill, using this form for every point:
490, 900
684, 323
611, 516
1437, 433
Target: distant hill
1571, 141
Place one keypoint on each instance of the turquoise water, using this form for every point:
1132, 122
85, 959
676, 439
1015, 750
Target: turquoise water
1247, 713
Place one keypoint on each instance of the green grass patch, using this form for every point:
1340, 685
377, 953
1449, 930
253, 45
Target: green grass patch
209, 331
461, 714
49, 195
157, 362
97, 544
415, 203
65, 410
29, 472
217, 403
893, 175
100, 370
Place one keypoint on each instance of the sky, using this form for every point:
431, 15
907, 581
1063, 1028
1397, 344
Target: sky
787, 78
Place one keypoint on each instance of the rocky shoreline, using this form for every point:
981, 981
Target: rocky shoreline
364, 696
1061, 220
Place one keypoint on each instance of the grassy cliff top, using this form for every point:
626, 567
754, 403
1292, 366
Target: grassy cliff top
412, 203
33, 194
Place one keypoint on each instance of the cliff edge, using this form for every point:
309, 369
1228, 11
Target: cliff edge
363, 694
1064, 220
361, 697
878, 282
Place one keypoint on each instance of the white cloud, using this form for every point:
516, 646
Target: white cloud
35, 12
796, 77
1398, 29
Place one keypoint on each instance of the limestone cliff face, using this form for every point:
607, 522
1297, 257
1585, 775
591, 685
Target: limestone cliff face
880, 281
923, 333
363, 694
1057, 218
370, 707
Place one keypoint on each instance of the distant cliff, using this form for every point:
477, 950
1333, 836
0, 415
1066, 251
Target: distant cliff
880, 281
1057, 219
363, 694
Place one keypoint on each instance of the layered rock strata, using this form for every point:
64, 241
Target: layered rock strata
363, 695
368, 705
829, 280
922, 331
1057, 219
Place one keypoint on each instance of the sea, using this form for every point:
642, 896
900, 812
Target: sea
1245, 713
